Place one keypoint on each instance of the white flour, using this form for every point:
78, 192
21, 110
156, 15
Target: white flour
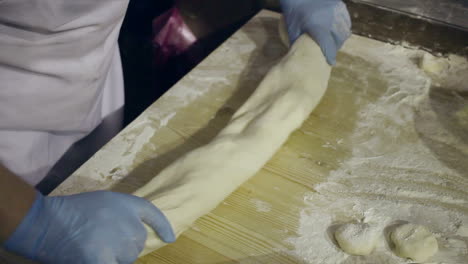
395, 173
260, 205
149, 124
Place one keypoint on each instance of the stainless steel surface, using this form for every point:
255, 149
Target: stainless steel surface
454, 12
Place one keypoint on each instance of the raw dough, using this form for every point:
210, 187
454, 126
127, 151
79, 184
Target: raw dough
433, 65
357, 238
415, 242
198, 181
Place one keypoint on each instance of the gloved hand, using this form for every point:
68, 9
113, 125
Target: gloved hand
89, 228
326, 21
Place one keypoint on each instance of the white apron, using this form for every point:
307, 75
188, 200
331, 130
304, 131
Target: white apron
60, 75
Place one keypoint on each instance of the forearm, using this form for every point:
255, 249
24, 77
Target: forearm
16, 198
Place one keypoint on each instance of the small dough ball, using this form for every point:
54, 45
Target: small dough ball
415, 242
433, 65
357, 238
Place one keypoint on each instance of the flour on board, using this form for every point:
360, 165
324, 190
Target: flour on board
396, 173
260, 205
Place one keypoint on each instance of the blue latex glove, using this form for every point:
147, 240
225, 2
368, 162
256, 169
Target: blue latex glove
89, 228
326, 21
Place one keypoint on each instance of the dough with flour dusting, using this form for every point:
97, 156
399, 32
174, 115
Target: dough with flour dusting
415, 242
198, 181
357, 238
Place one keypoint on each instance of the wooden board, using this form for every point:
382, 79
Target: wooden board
235, 230
253, 224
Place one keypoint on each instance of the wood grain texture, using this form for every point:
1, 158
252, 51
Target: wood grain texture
200, 105
236, 231
197, 108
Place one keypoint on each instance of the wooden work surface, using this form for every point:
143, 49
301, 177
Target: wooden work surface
252, 224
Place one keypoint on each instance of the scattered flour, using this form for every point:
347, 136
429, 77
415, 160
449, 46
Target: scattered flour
165, 120
143, 129
399, 170
261, 206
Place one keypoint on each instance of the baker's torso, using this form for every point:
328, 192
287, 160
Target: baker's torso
61, 75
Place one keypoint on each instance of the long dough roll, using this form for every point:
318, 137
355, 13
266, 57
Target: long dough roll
197, 182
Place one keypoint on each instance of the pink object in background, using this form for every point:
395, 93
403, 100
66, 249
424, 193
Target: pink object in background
171, 36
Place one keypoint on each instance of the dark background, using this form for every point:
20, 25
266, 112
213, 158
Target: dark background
211, 21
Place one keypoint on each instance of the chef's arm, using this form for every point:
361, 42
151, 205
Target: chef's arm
16, 198
37, 227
